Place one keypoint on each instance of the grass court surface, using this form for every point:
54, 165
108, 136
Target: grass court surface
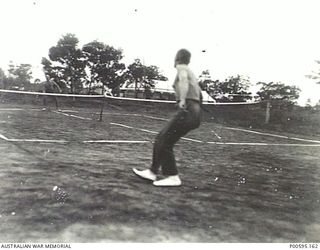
66, 177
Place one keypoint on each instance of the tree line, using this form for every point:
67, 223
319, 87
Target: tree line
95, 65
98, 65
237, 89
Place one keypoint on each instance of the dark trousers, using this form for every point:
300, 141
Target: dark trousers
183, 122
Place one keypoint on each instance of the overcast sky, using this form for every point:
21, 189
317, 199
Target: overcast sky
265, 40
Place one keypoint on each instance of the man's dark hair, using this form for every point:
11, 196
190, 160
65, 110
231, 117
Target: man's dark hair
183, 57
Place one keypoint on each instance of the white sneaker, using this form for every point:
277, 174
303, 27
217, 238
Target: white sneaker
44, 109
145, 174
170, 181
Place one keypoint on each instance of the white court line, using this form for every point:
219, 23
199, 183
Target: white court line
216, 134
112, 113
3, 137
126, 126
70, 111
146, 116
184, 138
155, 118
64, 141
116, 141
142, 142
219, 137
121, 125
80, 117
306, 140
37, 140
153, 132
273, 135
264, 144
193, 140
148, 131
74, 111
20, 109
11, 109
31, 140
75, 116
60, 113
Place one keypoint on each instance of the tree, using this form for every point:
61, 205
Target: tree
234, 89
308, 104
205, 80
152, 73
235, 85
135, 74
2, 78
104, 66
315, 74
277, 94
143, 76
317, 106
21, 75
66, 63
48, 68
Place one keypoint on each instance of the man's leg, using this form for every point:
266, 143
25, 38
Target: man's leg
168, 162
163, 146
185, 121
163, 155
160, 152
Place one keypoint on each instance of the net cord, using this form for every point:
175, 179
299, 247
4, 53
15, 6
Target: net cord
122, 98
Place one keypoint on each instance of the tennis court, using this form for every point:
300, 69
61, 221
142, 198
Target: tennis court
66, 177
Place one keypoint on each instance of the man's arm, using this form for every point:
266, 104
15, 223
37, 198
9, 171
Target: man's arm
183, 86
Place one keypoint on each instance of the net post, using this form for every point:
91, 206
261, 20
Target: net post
101, 109
267, 115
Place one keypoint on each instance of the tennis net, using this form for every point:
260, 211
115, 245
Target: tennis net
243, 113
49, 99
217, 112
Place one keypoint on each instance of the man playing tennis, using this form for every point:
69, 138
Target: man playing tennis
187, 118
50, 86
